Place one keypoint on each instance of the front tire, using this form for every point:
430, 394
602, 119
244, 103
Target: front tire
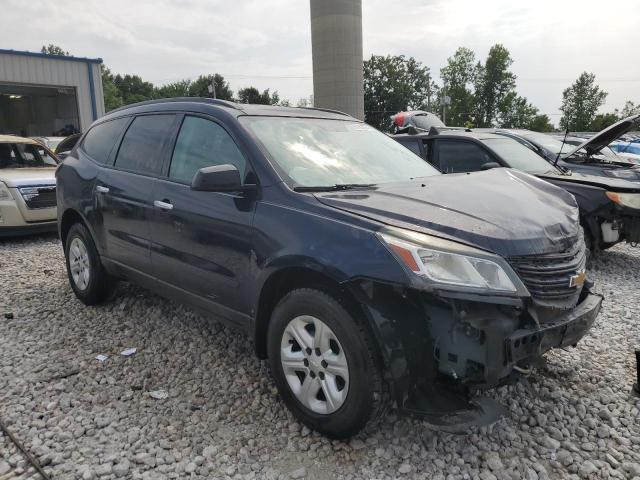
324, 364
88, 278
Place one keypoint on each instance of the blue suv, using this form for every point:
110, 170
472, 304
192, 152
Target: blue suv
364, 276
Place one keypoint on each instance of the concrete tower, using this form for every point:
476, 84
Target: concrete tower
336, 40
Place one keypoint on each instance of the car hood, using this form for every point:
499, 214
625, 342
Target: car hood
501, 210
606, 136
21, 177
613, 184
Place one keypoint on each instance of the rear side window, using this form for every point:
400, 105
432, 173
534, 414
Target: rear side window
454, 157
101, 139
142, 146
203, 143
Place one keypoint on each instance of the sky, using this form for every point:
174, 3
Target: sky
267, 43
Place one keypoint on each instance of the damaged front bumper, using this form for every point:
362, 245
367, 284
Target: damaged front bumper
439, 351
567, 330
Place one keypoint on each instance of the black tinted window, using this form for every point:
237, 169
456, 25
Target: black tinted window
141, 148
412, 145
462, 156
101, 139
203, 143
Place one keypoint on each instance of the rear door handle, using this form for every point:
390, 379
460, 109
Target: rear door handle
102, 189
162, 205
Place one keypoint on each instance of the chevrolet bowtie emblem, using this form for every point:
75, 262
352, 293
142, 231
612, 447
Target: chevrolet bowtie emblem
577, 280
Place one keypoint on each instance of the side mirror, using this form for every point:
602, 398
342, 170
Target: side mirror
219, 178
490, 165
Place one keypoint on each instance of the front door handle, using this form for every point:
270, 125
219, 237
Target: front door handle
102, 189
162, 205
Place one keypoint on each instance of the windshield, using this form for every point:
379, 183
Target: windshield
323, 152
24, 155
548, 142
518, 156
427, 120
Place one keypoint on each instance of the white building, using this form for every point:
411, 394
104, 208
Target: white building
43, 94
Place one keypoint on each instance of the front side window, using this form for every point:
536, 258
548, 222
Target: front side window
24, 155
324, 152
102, 138
461, 156
142, 145
203, 143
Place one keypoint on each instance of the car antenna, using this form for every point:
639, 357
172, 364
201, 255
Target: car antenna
566, 134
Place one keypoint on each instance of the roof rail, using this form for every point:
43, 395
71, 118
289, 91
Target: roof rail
328, 110
211, 101
437, 130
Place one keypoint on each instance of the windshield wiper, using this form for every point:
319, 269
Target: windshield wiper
333, 188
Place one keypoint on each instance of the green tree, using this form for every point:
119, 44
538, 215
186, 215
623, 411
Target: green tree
112, 97
253, 95
629, 109
52, 49
580, 102
541, 123
459, 76
392, 84
174, 89
200, 87
493, 84
133, 88
305, 102
516, 112
602, 121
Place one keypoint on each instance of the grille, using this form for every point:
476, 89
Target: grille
551, 277
39, 197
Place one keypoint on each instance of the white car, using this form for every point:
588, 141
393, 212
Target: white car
27, 187
50, 142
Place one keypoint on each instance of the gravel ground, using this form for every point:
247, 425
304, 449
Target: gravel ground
574, 418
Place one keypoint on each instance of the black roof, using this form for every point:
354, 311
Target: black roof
231, 107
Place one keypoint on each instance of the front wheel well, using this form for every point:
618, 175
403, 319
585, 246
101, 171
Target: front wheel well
292, 278
69, 218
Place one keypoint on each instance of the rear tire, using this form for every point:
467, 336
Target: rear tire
345, 365
89, 280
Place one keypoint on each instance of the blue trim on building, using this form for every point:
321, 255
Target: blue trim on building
51, 57
92, 92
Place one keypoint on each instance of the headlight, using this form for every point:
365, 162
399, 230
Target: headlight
5, 194
630, 200
629, 174
449, 263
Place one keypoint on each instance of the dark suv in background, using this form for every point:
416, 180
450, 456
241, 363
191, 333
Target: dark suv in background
609, 206
364, 275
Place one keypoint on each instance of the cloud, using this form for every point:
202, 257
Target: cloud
267, 42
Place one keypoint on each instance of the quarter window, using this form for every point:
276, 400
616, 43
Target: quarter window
100, 139
203, 143
142, 145
454, 157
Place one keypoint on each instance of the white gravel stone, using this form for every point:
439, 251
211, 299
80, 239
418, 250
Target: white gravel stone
298, 473
225, 419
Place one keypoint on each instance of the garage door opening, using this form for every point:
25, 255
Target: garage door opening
30, 110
